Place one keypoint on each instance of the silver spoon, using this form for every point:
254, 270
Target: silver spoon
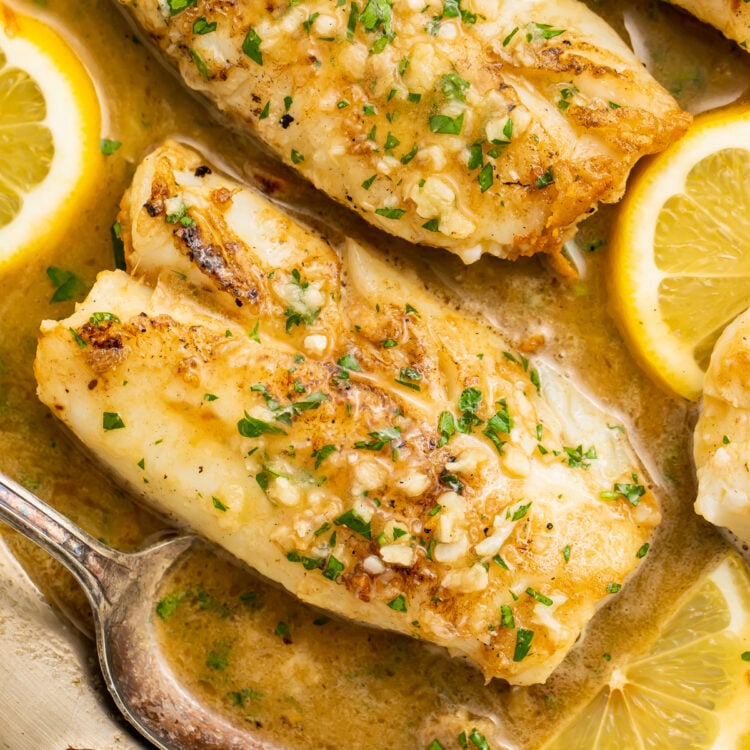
122, 589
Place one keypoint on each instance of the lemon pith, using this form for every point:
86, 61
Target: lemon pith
49, 131
680, 257
690, 689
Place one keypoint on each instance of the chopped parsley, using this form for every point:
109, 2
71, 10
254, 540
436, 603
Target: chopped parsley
541, 598
519, 512
111, 420
295, 408
446, 125
354, 522
218, 504
390, 213
476, 156
452, 481
479, 740
168, 605
251, 46
506, 616
177, 6
498, 425
308, 563
200, 63
510, 36
446, 427
333, 569
546, 31
379, 439
545, 179
349, 362
410, 377
118, 246
202, 26
108, 146
631, 492
398, 603
454, 87
67, 285
486, 177
376, 17
499, 561
322, 453
251, 427
307, 25
245, 694
452, 9
566, 94
578, 458
294, 318
180, 216
468, 404
523, 643
407, 157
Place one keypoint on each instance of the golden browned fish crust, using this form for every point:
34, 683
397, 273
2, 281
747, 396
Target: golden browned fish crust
343, 431
488, 127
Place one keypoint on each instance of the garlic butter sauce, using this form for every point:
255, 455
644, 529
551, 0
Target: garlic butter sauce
293, 675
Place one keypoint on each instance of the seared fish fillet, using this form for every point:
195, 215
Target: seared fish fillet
343, 431
722, 434
731, 17
491, 126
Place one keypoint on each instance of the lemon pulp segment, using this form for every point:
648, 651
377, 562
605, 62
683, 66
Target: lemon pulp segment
690, 689
681, 250
26, 147
49, 130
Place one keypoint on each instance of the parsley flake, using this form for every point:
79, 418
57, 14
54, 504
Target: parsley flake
251, 46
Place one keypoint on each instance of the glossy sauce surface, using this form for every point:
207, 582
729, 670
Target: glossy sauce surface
295, 676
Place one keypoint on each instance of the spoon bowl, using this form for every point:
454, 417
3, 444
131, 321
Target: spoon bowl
123, 589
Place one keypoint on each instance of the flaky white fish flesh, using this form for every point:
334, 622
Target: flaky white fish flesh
731, 17
342, 430
722, 434
480, 126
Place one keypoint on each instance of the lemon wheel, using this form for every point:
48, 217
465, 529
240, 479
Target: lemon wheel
690, 689
680, 260
49, 131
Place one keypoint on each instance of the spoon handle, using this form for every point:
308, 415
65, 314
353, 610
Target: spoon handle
90, 561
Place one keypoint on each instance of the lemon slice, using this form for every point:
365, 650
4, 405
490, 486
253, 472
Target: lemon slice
49, 130
690, 689
680, 260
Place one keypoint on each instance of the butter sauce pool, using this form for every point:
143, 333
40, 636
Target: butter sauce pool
296, 677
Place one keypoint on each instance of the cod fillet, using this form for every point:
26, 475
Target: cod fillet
721, 443
343, 431
482, 126
731, 17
